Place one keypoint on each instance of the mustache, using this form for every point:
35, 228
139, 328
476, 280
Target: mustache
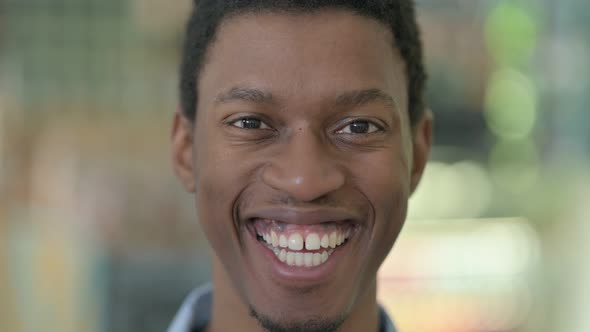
257, 200
253, 199
282, 199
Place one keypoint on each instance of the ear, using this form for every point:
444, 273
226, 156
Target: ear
182, 150
422, 142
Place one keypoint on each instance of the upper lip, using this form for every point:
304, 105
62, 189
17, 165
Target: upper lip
303, 216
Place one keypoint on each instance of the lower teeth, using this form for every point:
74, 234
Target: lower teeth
303, 259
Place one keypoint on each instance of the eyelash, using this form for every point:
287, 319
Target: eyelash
246, 118
373, 126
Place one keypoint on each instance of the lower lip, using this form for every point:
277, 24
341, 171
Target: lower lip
302, 276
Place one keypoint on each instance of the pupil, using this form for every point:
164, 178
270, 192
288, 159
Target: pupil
251, 123
359, 127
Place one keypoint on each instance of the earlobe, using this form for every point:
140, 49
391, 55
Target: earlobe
422, 141
182, 150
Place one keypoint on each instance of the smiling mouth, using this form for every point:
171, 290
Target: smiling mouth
304, 246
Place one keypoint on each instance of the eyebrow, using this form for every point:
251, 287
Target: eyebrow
349, 99
359, 98
252, 95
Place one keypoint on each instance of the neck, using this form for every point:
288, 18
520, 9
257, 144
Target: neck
363, 317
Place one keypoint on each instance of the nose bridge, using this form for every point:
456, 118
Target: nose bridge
304, 152
305, 169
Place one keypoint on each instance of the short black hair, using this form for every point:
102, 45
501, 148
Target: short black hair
206, 16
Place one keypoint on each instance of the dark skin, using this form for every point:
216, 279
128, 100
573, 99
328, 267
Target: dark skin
302, 113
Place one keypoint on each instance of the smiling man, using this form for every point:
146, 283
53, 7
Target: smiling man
302, 134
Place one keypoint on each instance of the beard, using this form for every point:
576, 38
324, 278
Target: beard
282, 324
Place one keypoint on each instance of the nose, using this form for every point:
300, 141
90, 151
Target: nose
304, 169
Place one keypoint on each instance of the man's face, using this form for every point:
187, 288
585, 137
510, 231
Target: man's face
302, 159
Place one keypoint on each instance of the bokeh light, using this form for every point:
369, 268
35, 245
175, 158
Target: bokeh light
511, 104
511, 33
479, 267
458, 190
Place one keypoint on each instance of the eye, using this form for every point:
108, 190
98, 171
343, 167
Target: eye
359, 127
250, 123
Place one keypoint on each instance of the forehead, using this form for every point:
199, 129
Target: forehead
315, 55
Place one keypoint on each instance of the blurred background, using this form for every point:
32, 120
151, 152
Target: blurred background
97, 235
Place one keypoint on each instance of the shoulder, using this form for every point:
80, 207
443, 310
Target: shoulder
385, 321
194, 312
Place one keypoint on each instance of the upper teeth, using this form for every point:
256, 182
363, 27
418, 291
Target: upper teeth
313, 241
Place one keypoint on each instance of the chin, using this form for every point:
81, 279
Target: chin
290, 322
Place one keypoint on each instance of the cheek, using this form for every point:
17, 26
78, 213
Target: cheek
211, 177
385, 178
387, 186
217, 186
